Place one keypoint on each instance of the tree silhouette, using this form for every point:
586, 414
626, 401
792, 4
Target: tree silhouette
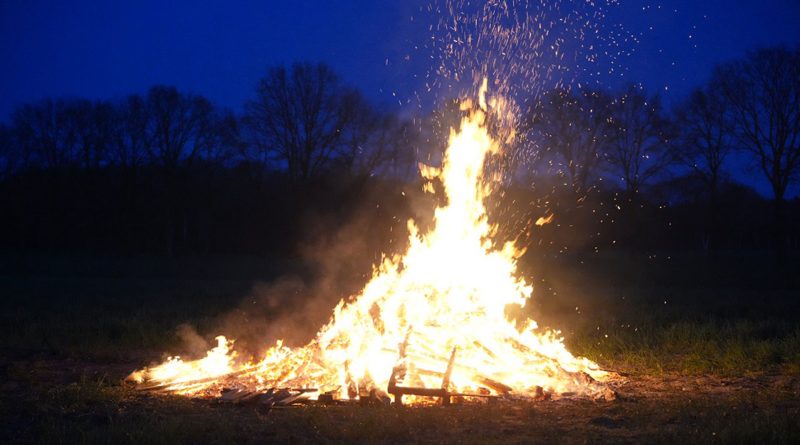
297, 118
373, 142
762, 93
44, 134
181, 127
92, 126
705, 134
9, 156
572, 127
168, 171
130, 140
637, 146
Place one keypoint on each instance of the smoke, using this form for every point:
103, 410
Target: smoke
337, 255
193, 343
283, 309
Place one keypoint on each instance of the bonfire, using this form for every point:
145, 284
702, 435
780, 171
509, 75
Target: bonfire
432, 322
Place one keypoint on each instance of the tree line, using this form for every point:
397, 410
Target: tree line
749, 107
303, 121
169, 171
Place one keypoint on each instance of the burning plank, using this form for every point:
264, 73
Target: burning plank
443, 392
270, 397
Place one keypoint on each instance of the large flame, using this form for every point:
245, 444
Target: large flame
450, 290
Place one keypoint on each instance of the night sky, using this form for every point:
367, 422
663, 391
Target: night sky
220, 49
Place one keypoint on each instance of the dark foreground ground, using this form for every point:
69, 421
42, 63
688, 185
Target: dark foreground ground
710, 348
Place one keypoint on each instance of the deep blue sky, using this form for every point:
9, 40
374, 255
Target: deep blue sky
220, 49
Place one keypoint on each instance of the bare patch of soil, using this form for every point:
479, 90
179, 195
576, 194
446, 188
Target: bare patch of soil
56, 400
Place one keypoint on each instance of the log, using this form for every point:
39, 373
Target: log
498, 387
237, 395
399, 391
277, 396
485, 349
283, 396
167, 385
446, 377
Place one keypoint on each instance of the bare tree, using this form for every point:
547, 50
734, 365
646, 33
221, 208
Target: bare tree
705, 133
43, 134
175, 130
573, 128
129, 141
372, 141
762, 93
704, 138
10, 162
394, 147
637, 148
359, 126
227, 138
90, 124
180, 126
297, 118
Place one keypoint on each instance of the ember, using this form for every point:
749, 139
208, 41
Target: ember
430, 323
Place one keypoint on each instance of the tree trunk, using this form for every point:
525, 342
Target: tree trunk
712, 229
779, 228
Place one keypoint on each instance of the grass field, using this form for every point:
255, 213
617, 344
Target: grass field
710, 347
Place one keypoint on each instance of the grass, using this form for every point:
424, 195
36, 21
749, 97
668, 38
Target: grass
656, 321
672, 316
720, 347
122, 308
110, 307
655, 314
99, 321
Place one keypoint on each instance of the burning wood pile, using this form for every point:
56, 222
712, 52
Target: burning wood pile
431, 323
488, 389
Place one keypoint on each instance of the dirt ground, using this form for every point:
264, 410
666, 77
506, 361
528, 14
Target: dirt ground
55, 400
